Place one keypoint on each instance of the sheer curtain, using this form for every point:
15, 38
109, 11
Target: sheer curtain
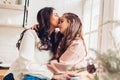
91, 14
96, 13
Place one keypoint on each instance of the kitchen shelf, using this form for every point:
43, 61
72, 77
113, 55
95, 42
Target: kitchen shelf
11, 12
10, 25
12, 7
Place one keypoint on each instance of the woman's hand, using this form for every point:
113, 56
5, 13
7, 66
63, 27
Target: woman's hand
71, 73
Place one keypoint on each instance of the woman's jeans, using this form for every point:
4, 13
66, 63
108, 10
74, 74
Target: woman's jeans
75, 78
29, 77
9, 77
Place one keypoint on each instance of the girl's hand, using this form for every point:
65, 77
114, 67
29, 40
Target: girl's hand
71, 73
61, 77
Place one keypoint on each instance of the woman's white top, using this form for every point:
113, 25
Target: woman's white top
31, 60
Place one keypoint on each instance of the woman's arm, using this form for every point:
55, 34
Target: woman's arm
27, 62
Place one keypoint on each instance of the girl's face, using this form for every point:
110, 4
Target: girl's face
54, 19
63, 24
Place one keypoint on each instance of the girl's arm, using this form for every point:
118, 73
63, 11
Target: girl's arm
74, 54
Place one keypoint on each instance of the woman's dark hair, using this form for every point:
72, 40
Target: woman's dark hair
74, 30
20, 39
56, 37
42, 29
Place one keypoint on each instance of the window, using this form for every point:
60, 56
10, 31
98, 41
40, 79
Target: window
95, 13
91, 14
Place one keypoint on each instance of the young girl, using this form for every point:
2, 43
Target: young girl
71, 51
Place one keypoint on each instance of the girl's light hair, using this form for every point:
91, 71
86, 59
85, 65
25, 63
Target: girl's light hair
74, 31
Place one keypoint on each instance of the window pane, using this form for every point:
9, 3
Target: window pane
86, 38
86, 23
87, 16
91, 54
94, 40
95, 14
117, 10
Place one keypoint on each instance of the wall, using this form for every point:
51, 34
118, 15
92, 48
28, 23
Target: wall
9, 36
11, 17
61, 6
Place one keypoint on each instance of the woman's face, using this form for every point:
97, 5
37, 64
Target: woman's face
63, 24
54, 19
